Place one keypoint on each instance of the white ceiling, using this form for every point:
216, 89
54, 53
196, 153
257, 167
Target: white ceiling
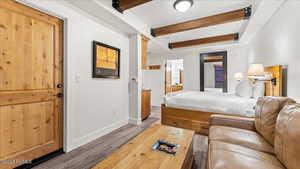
159, 13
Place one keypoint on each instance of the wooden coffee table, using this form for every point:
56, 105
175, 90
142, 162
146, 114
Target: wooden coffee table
137, 153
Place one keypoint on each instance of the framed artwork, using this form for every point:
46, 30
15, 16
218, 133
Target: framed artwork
106, 61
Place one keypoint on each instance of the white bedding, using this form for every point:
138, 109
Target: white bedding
217, 102
213, 89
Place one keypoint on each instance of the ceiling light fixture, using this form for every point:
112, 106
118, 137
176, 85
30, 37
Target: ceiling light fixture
183, 5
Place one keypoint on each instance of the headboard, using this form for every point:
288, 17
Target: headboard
271, 88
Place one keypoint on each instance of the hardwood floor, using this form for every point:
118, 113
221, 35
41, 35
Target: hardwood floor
92, 153
155, 112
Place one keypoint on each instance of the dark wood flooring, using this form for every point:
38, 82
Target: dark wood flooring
92, 153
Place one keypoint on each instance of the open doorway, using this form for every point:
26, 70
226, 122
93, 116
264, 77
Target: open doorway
213, 71
174, 76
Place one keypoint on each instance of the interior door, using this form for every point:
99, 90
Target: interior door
31, 83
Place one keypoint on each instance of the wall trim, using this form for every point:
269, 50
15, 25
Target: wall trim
95, 134
155, 105
135, 121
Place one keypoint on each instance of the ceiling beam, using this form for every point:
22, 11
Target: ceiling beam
122, 5
232, 16
214, 39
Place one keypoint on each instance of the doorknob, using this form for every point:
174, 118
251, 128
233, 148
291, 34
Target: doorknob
59, 86
60, 95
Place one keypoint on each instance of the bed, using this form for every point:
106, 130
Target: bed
192, 109
210, 101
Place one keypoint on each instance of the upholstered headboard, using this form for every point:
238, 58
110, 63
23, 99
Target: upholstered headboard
274, 87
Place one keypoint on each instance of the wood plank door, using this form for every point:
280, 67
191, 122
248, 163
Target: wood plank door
31, 83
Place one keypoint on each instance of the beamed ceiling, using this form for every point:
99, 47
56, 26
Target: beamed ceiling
207, 22
139, 16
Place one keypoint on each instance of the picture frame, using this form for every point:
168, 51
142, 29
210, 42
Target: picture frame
106, 61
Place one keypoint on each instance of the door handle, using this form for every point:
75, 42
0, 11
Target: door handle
60, 95
59, 86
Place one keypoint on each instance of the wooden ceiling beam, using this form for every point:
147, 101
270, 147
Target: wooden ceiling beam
232, 16
214, 39
122, 5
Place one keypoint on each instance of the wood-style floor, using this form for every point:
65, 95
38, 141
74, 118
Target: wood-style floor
92, 153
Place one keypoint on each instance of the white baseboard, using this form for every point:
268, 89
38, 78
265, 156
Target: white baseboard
135, 121
156, 105
96, 134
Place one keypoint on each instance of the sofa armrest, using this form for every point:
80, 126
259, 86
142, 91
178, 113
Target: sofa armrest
232, 121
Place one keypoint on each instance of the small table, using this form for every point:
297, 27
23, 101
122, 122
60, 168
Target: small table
138, 154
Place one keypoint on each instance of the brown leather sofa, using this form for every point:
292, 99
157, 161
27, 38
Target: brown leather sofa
271, 140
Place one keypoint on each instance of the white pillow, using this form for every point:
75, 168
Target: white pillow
258, 90
244, 89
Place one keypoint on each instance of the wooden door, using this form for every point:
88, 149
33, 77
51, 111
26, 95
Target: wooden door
146, 104
30, 80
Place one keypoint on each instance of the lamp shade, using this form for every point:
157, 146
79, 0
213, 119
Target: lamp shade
238, 76
268, 75
256, 70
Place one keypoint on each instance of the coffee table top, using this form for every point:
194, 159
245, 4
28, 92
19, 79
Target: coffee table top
137, 153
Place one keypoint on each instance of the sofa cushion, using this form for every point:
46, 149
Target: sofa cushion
266, 112
232, 121
240, 137
287, 136
229, 156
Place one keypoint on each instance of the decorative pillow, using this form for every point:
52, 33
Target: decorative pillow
258, 90
266, 112
244, 89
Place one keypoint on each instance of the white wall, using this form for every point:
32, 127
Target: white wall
191, 71
154, 79
236, 59
237, 62
278, 43
94, 106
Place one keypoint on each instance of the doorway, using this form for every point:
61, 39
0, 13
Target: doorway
174, 76
213, 71
31, 83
